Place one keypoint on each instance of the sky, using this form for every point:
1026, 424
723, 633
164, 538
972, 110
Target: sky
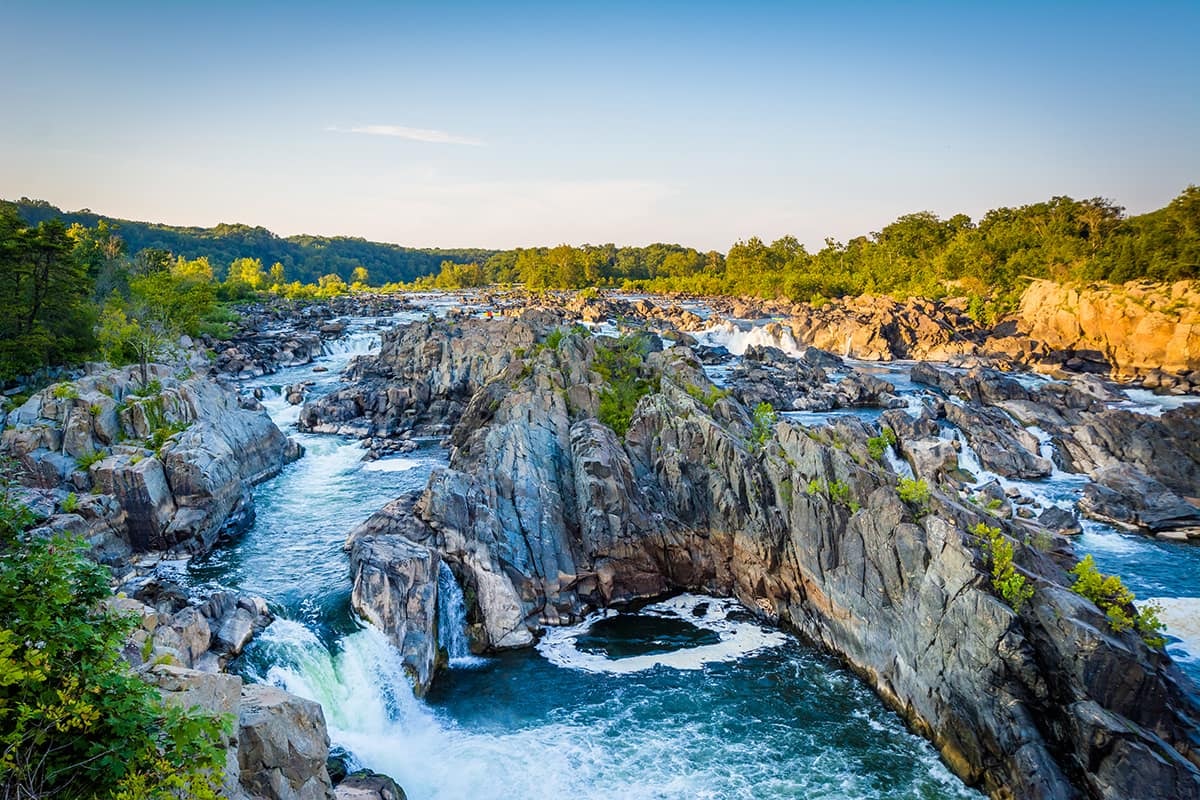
527, 123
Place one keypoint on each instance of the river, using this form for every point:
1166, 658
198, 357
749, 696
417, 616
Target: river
692, 698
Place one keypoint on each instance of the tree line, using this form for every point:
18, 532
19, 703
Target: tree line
306, 258
919, 254
69, 293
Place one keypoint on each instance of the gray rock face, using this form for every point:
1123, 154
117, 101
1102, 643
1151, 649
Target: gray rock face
282, 746
1127, 497
180, 486
369, 786
548, 514
422, 379
1002, 446
214, 694
395, 589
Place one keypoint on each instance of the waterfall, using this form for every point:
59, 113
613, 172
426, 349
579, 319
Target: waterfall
356, 344
898, 464
452, 620
362, 685
736, 339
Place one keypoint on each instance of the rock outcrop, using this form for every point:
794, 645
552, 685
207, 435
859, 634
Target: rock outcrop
1137, 328
878, 328
282, 746
281, 743
166, 467
422, 379
395, 589
545, 513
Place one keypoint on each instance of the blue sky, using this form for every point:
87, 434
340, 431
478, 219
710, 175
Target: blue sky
457, 124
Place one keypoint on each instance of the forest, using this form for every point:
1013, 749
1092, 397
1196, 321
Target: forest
305, 258
77, 286
990, 260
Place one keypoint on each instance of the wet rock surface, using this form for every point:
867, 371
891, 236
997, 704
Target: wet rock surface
164, 467
546, 513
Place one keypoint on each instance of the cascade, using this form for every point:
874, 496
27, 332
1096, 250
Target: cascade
452, 620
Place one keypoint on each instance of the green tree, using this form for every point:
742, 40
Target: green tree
75, 722
45, 313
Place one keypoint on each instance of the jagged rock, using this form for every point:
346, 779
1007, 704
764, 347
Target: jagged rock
1127, 497
212, 693
1166, 448
179, 497
367, 785
395, 589
1002, 446
547, 514
282, 746
1059, 520
143, 492
931, 459
1134, 328
880, 328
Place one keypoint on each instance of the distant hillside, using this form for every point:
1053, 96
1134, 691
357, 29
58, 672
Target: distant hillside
304, 257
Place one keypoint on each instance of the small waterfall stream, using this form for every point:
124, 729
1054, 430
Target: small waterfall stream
452, 620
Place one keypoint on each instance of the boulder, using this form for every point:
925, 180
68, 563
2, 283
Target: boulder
367, 785
395, 589
282, 746
1125, 496
213, 694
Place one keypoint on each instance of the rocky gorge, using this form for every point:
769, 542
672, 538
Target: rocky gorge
607, 452
545, 514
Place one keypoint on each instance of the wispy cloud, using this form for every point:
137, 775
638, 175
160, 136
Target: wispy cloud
412, 134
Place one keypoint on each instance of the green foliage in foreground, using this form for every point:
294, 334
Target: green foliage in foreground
915, 493
1117, 602
75, 722
998, 550
878, 445
620, 364
762, 421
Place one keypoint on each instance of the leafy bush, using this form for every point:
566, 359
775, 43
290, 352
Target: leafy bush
164, 431
151, 388
915, 493
65, 391
70, 503
878, 445
708, 398
85, 461
75, 722
1011, 585
620, 365
837, 491
763, 422
1117, 602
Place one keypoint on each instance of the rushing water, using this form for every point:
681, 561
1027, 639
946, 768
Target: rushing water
687, 698
1160, 572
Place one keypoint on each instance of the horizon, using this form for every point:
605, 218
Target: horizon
532, 125
723, 251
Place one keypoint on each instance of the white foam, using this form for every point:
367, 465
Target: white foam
1146, 402
394, 464
736, 340
1181, 615
737, 639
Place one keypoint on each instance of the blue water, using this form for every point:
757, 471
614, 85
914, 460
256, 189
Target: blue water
731, 709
